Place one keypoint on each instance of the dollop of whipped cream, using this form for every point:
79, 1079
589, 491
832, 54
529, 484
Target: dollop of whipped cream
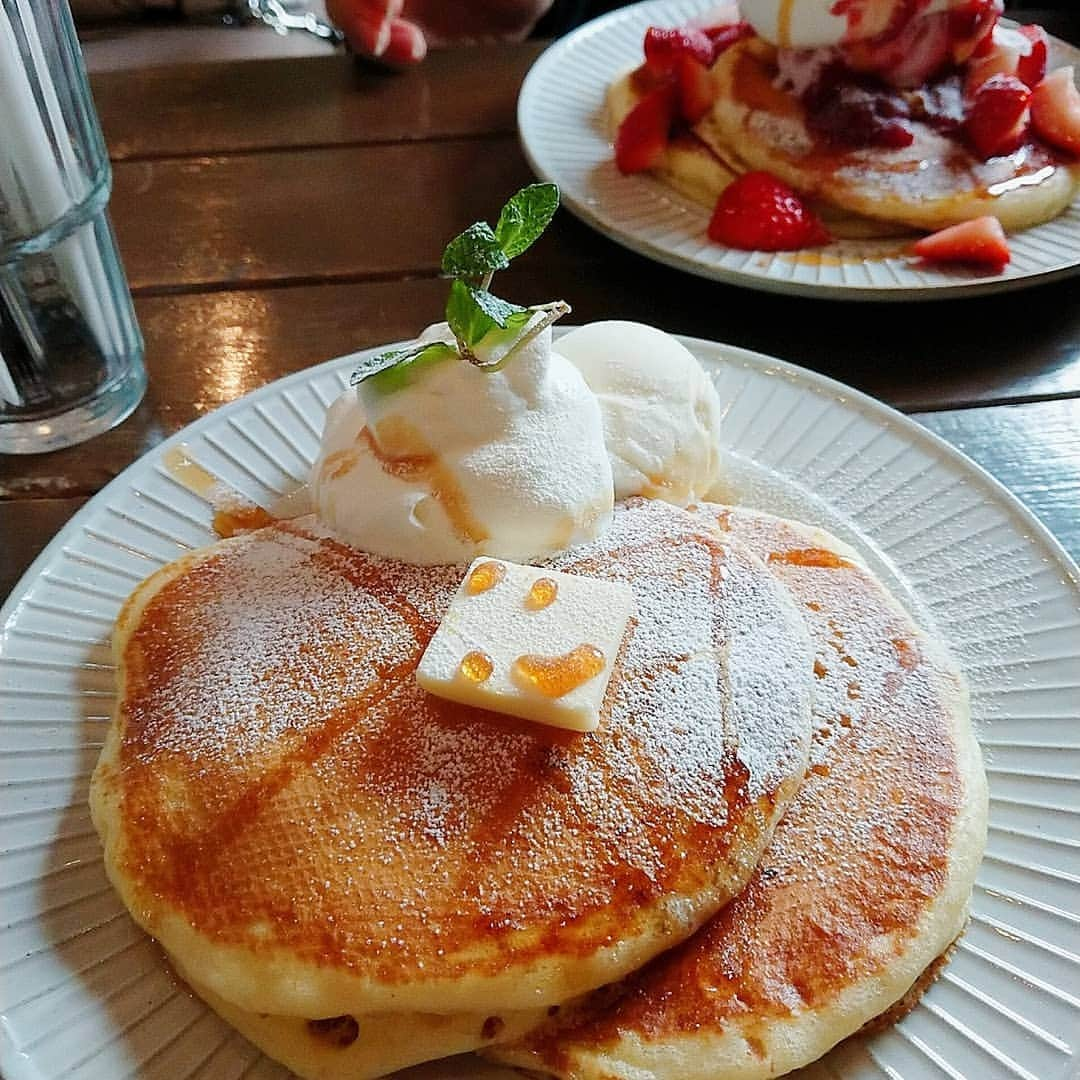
660, 409
812, 24
462, 462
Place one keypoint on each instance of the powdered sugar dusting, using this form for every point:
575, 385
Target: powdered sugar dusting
281, 718
750, 624
864, 849
769, 658
239, 680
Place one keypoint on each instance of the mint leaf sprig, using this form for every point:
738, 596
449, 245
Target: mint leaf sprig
395, 369
472, 310
471, 259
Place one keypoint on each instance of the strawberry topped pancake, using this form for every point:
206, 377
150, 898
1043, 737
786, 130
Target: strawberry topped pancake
867, 879
886, 115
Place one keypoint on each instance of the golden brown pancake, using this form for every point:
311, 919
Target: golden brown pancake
868, 875
366, 1046
310, 834
930, 184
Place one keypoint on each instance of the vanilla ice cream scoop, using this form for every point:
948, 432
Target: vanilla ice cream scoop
811, 24
462, 462
661, 411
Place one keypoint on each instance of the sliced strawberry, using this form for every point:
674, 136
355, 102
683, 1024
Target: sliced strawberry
1021, 52
665, 48
758, 212
984, 45
996, 119
644, 80
697, 91
1055, 110
979, 242
643, 134
971, 26
1032, 66
1003, 58
907, 58
724, 36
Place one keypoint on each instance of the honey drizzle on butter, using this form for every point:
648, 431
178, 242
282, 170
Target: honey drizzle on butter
476, 666
484, 576
541, 594
556, 676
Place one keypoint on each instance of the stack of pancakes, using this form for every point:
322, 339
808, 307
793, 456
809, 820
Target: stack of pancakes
772, 836
861, 192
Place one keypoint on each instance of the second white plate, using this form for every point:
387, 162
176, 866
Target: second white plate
560, 117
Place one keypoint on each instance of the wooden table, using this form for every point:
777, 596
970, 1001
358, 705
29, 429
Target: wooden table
273, 214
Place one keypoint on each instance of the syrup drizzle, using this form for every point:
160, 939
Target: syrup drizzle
555, 676
402, 452
1027, 180
783, 23
810, 557
484, 577
233, 513
476, 666
190, 474
541, 594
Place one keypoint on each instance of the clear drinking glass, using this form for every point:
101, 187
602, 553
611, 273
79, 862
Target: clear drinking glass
71, 355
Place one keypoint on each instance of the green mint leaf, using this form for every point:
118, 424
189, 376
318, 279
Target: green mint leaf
495, 355
474, 254
499, 311
525, 217
390, 371
372, 365
466, 318
472, 312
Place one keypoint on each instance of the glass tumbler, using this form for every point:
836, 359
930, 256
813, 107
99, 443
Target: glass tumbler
71, 355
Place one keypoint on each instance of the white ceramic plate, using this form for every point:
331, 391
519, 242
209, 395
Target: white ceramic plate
84, 995
560, 117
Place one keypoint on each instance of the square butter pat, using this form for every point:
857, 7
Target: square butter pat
529, 642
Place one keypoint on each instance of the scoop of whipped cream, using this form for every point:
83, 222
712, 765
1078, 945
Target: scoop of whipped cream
661, 410
811, 24
462, 462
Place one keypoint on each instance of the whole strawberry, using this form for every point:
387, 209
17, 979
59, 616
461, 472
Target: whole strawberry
758, 212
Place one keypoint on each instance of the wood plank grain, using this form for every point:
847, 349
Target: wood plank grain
205, 350
306, 215
200, 109
210, 108
1034, 450
263, 220
26, 527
